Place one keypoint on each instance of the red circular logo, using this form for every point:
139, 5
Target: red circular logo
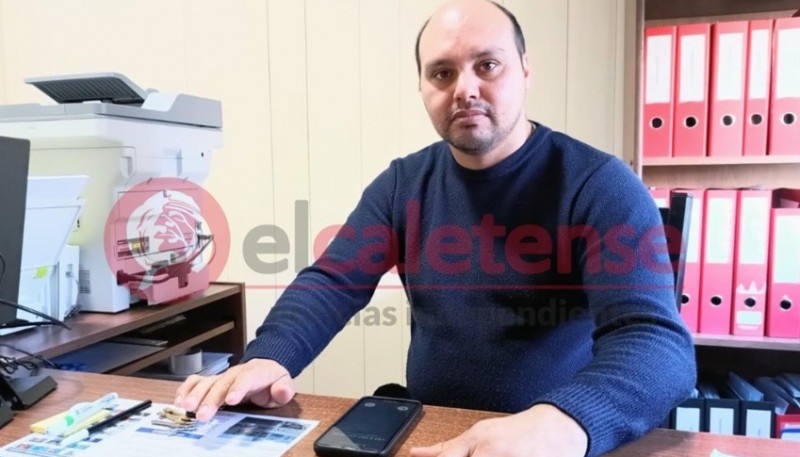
166, 238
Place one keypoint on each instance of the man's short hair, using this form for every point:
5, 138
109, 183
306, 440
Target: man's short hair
519, 38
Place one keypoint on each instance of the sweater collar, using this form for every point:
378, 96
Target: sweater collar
521, 155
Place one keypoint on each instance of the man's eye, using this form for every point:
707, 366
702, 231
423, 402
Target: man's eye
488, 66
441, 74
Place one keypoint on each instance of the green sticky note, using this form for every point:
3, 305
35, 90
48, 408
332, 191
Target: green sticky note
41, 272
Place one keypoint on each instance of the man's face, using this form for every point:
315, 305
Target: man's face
473, 82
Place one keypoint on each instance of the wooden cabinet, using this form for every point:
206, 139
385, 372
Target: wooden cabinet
749, 356
212, 320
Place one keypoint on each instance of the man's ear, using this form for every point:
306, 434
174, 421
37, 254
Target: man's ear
526, 70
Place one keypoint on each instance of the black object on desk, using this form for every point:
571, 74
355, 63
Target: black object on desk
14, 159
5, 413
24, 392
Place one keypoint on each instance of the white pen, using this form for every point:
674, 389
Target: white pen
79, 413
80, 435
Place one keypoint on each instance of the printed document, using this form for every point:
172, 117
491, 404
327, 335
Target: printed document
228, 433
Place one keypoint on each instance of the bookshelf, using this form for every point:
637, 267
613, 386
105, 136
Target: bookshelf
748, 342
748, 355
710, 161
681, 9
212, 320
770, 171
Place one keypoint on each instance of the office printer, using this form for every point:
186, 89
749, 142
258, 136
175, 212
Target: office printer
48, 279
123, 138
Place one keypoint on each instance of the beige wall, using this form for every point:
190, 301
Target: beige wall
318, 97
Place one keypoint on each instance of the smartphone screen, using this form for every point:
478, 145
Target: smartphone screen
371, 426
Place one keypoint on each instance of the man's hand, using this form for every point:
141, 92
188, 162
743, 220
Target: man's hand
540, 431
261, 381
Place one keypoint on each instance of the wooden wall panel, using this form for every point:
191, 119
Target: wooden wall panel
545, 26
289, 142
334, 142
318, 97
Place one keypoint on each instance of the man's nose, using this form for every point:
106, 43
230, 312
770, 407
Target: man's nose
467, 87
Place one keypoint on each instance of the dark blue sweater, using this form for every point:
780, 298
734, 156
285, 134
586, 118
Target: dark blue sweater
542, 279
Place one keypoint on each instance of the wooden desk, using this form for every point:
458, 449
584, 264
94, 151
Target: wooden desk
437, 423
214, 318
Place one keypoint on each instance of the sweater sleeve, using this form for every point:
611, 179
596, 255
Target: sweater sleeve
325, 295
643, 362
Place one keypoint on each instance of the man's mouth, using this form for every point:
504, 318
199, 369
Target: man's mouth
467, 114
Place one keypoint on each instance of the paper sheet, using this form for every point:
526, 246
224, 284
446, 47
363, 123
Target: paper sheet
228, 433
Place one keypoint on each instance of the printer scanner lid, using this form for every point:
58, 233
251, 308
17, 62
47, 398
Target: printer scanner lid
113, 94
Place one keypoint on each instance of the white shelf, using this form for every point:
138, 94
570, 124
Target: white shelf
716, 161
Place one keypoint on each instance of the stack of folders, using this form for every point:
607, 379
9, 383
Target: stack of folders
722, 89
768, 408
213, 363
742, 270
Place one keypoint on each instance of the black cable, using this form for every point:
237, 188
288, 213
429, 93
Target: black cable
48, 363
18, 323
2, 273
10, 365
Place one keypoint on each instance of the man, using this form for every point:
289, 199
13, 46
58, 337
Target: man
531, 261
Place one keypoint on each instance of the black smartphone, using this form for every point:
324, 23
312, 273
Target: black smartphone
374, 426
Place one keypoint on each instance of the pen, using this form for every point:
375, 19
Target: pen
108, 422
122, 415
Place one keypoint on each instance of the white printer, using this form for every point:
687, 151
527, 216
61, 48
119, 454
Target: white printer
122, 137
